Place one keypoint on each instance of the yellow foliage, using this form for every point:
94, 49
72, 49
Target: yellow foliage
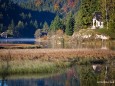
59, 32
56, 6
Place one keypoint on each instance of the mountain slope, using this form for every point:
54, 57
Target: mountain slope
31, 20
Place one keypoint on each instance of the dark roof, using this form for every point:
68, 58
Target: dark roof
98, 16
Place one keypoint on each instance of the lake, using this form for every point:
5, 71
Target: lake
17, 41
80, 75
50, 44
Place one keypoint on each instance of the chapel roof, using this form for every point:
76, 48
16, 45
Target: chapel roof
98, 16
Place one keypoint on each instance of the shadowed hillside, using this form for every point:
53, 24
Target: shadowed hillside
21, 22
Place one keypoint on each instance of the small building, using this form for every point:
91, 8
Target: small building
97, 20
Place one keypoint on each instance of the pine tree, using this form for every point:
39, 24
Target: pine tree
1, 27
45, 27
29, 15
19, 30
56, 24
83, 18
69, 25
11, 28
35, 24
20, 24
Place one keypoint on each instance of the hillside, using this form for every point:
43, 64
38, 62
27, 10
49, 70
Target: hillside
21, 22
22, 18
60, 7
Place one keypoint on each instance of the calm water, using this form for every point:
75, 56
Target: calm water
49, 44
18, 41
103, 75
68, 78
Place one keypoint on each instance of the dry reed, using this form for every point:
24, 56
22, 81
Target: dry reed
48, 60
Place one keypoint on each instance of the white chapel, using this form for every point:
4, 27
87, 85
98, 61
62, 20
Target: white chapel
97, 20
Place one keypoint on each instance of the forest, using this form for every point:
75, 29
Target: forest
22, 18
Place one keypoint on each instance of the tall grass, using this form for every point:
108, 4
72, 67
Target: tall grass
25, 61
55, 54
31, 66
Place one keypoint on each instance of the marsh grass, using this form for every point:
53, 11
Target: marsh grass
36, 66
26, 61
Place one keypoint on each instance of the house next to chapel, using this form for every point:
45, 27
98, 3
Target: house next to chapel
97, 20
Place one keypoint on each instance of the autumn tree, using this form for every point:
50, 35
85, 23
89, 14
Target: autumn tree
37, 33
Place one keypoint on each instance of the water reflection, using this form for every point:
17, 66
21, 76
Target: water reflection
66, 79
62, 44
80, 75
109, 44
18, 41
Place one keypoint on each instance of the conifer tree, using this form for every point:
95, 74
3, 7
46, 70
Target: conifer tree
69, 25
56, 24
83, 18
35, 24
11, 28
45, 27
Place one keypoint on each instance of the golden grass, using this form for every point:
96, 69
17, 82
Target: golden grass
48, 60
55, 54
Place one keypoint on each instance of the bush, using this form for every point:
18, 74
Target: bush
107, 32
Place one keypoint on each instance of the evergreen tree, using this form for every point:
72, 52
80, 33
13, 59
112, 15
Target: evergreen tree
31, 22
19, 30
69, 25
83, 17
56, 24
29, 15
35, 24
20, 24
45, 27
23, 15
1, 28
107, 7
11, 28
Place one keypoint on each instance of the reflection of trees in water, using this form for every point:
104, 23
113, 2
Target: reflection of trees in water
87, 76
75, 76
5, 67
79, 43
90, 77
64, 79
72, 77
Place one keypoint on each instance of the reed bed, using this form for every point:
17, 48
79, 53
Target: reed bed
29, 66
23, 61
54, 54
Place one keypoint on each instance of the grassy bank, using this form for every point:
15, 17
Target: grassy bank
28, 67
25, 61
